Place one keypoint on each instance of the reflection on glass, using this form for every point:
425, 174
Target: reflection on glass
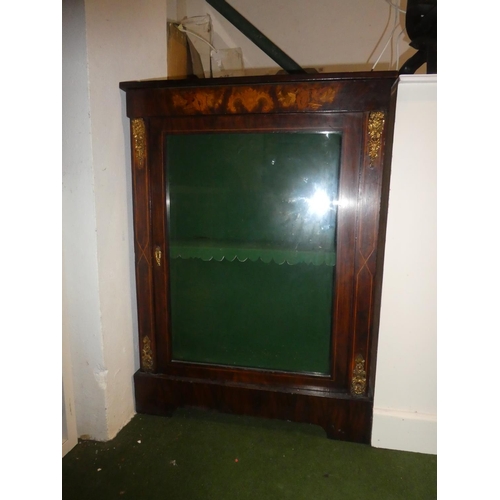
252, 223
319, 203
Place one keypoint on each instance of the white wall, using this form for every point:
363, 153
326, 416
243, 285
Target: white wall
105, 42
80, 272
405, 408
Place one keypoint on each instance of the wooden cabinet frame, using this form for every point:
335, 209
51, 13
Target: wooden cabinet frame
358, 106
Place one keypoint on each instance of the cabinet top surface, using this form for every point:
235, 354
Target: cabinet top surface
256, 80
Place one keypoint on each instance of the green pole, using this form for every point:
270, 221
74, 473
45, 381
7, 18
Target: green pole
249, 30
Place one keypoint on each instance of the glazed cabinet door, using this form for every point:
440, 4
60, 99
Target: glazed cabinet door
249, 223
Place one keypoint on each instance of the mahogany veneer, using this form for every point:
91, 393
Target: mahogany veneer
357, 105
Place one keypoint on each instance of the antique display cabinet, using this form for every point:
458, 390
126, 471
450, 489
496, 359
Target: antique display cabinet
259, 215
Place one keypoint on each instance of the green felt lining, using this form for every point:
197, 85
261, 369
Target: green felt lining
252, 314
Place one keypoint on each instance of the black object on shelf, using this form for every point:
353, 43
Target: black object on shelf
421, 26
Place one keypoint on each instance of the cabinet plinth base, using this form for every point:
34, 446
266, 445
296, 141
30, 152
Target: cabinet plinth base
343, 417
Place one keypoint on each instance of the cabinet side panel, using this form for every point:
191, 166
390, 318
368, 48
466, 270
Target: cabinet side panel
384, 206
142, 244
367, 243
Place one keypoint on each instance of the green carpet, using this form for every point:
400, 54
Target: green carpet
205, 455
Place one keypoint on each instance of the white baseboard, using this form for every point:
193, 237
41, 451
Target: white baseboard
405, 431
68, 445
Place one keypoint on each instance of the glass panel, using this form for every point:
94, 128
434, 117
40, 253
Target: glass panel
252, 223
